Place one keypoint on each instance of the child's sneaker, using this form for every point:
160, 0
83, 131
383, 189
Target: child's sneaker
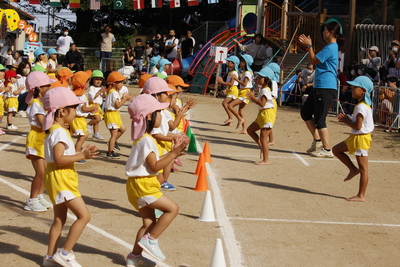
44, 202
178, 162
68, 260
112, 155
33, 204
49, 262
141, 261
315, 146
98, 136
322, 153
2, 132
12, 127
151, 246
168, 186
116, 147
81, 161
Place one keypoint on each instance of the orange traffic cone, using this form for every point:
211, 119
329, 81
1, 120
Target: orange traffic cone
186, 125
200, 163
206, 151
202, 184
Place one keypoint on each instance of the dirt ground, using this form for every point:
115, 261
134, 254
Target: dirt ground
290, 213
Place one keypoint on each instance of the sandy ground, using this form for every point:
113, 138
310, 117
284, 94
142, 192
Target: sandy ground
290, 213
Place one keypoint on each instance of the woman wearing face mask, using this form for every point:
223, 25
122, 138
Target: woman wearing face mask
372, 60
24, 68
308, 79
393, 60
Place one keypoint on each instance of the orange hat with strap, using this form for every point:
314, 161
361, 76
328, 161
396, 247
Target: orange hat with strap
62, 74
79, 81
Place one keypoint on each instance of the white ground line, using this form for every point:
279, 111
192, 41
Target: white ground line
9, 143
300, 158
317, 222
232, 245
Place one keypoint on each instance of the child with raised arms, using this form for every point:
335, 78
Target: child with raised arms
142, 186
61, 178
97, 93
37, 83
359, 141
233, 91
266, 113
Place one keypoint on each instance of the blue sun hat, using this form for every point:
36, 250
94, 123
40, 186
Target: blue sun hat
235, 60
52, 51
277, 70
266, 72
38, 52
249, 61
154, 61
365, 83
162, 63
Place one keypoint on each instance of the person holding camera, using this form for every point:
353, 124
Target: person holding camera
372, 61
392, 60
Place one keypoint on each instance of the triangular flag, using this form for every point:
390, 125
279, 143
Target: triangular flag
34, 2
95, 4
75, 3
174, 3
156, 3
213, 1
138, 4
55, 3
193, 2
119, 4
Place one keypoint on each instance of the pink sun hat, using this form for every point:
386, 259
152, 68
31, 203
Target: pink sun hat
57, 98
138, 109
155, 85
36, 79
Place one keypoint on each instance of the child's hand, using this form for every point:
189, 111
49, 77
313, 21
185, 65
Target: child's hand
190, 103
180, 143
250, 95
343, 117
90, 152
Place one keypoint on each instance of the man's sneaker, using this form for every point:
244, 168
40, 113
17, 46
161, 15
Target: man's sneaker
112, 155
33, 204
168, 186
322, 153
141, 261
12, 127
151, 247
81, 161
68, 260
44, 202
90, 129
98, 136
49, 262
315, 146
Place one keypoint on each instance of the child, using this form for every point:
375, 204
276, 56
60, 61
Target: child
359, 142
9, 59
275, 82
164, 66
138, 53
61, 179
79, 126
37, 83
266, 113
64, 76
97, 94
153, 64
11, 103
142, 187
233, 91
40, 58
3, 90
113, 104
52, 63
246, 83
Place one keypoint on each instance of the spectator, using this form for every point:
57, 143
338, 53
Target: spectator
257, 51
171, 46
157, 45
16, 60
106, 42
8, 62
308, 79
373, 60
148, 52
63, 44
128, 56
74, 59
138, 52
393, 59
190, 36
186, 46
269, 51
187, 22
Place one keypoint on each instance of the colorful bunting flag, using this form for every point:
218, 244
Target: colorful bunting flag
75, 3
156, 3
14, 1
95, 4
174, 3
213, 1
193, 2
55, 3
138, 4
119, 4
34, 2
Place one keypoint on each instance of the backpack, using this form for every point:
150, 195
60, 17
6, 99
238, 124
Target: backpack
169, 50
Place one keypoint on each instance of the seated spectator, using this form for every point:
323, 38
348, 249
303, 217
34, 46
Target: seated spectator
73, 59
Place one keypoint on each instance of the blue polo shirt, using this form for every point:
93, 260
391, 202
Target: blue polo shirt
326, 71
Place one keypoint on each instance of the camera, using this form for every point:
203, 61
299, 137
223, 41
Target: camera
362, 49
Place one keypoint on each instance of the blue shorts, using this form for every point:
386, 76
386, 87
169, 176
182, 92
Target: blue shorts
139, 64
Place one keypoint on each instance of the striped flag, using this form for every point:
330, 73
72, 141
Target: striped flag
75, 3
34, 2
138, 4
14, 1
119, 4
193, 2
156, 3
55, 3
174, 3
95, 4
213, 1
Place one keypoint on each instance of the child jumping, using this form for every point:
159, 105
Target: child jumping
142, 186
266, 113
359, 142
233, 91
61, 178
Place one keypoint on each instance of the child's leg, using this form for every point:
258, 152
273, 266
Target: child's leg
231, 107
60, 216
363, 165
149, 220
113, 139
264, 133
167, 171
78, 207
80, 141
252, 131
9, 117
94, 121
338, 151
225, 103
120, 132
37, 186
242, 105
170, 209
271, 140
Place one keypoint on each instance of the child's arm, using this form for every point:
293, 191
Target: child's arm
18, 91
243, 83
221, 81
178, 116
88, 152
87, 109
190, 103
155, 165
354, 125
40, 119
119, 103
161, 137
261, 102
